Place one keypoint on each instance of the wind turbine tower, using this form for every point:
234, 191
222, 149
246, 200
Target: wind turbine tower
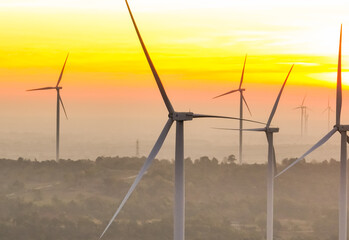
137, 148
59, 102
306, 118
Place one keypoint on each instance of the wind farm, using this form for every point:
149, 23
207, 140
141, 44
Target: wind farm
118, 170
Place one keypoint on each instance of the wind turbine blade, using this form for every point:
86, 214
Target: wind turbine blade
156, 76
278, 99
232, 91
318, 144
60, 99
144, 168
243, 72
60, 76
339, 82
37, 89
297, 108
214, 116
248, 108
248, 130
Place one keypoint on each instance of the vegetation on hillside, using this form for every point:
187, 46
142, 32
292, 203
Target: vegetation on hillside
75, 200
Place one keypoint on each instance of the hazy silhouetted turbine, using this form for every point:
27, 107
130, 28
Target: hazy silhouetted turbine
242, 99
59, 102
304, 116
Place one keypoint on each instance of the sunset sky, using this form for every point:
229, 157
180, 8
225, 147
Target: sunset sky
198, 48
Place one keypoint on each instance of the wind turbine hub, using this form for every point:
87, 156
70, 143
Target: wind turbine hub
272, 130
181, 116
242, 89
58, 88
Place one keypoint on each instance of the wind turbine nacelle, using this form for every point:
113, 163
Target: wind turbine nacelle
272, 130
343, 128
58, 88
181, 116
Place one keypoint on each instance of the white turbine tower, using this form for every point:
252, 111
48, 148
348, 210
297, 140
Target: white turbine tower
59, 102
242, 99
180, 118
342, 129
271, 161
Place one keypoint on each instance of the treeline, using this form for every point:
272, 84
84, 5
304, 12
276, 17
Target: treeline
75, 200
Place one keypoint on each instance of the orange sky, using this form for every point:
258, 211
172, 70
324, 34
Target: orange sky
197, 46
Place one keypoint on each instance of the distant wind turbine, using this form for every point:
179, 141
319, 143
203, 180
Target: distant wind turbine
137, 148
342, 129
329, 110
269, 131
242, 99
59, 102
179, 117
304, 116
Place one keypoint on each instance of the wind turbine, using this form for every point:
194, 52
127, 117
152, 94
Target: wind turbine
304, 116
179, 118
269, 131
242, 99
342, 129
59, 102
329, 110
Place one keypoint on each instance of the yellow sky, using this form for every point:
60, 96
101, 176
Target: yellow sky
197, 46
192, 41
207, 34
